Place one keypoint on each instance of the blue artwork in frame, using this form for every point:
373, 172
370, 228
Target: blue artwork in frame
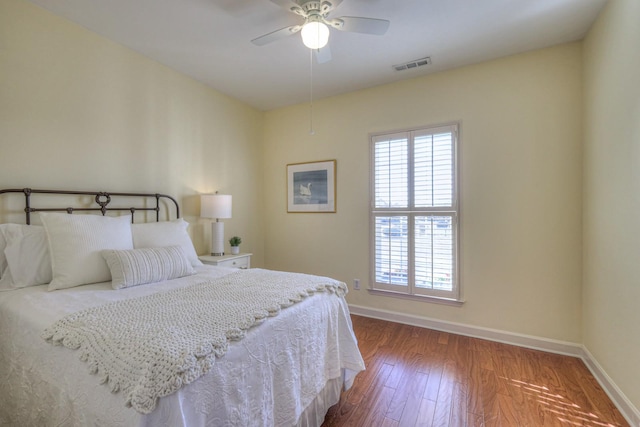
311, 187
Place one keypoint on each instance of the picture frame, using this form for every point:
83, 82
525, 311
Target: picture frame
311, 187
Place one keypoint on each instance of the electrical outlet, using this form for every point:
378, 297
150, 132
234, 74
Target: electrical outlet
356, 284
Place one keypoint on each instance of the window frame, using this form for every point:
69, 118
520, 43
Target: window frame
410, 290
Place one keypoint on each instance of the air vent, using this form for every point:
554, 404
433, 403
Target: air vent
413, 64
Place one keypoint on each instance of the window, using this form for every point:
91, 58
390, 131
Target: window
414, 212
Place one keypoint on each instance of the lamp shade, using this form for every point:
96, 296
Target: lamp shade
215, 206
315, 35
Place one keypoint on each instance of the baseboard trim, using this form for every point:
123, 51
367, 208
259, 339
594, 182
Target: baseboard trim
624, 405
627, 409
521, 340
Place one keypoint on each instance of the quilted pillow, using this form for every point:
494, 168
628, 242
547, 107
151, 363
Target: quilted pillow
75, 245
166, 233
147, 265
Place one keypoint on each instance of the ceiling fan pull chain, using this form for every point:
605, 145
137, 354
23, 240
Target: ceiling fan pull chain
311, 131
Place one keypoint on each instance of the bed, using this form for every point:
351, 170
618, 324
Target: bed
284, 362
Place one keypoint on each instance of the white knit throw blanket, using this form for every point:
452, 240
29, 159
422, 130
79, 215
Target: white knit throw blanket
149, 347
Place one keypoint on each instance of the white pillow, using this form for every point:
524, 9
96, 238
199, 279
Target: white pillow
75, 243
167, 233
3, 244
147, 265
27, 256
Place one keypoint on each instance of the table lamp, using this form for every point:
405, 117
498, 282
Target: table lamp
216, 206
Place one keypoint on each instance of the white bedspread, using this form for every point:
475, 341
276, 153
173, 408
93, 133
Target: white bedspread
266, 379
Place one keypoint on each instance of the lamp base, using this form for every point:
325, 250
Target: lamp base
217, 238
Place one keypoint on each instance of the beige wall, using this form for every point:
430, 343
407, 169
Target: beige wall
80, 112
521, 169
612, 194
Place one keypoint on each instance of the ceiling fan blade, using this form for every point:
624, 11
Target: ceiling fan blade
323, 55
276, 35
357, 24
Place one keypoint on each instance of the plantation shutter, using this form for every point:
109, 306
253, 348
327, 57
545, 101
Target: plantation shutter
414, 212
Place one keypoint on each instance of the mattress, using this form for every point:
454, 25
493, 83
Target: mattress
265, 379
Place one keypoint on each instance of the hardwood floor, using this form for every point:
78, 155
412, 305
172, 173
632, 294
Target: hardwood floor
422, 377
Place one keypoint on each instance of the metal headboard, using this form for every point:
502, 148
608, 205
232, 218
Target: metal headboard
101, 198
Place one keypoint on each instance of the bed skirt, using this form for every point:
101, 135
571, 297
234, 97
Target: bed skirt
314, 415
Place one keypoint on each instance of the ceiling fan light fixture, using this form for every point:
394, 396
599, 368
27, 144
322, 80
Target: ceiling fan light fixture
315, 35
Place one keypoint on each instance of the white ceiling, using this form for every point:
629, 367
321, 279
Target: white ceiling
209, 40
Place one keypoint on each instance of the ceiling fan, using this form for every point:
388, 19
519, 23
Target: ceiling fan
315, 28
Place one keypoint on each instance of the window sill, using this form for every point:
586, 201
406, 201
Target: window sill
423, 298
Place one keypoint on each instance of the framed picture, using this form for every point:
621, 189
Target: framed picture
311, 187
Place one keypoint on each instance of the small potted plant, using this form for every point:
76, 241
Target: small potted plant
235, 244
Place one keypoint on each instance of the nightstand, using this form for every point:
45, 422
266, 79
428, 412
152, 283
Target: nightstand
234, 261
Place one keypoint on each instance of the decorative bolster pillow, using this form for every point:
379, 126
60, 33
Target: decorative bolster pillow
147, 265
